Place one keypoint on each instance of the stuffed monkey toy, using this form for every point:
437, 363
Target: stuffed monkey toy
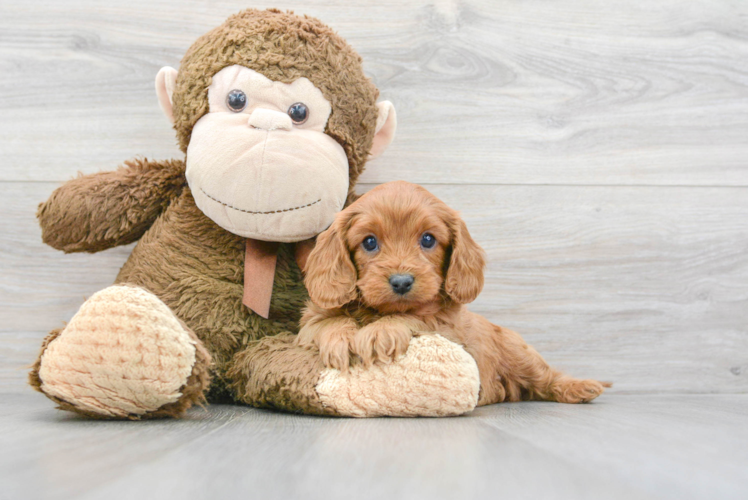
277, 120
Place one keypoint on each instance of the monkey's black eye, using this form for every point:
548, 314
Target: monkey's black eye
428, 240
236, 100
298, 113
370, 244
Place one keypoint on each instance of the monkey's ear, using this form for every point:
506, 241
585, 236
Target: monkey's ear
166, 79
385, 131
330, 274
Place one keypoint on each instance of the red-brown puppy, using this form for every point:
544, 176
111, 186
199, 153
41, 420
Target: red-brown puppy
400, 262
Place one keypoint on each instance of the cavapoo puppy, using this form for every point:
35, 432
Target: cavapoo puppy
399, 262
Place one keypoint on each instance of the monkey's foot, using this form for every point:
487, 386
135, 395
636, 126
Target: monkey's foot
123, 355
434, 378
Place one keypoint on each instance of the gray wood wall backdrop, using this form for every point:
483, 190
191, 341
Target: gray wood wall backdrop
597, 149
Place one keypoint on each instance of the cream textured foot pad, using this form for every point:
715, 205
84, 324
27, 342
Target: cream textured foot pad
435, 378
124, 353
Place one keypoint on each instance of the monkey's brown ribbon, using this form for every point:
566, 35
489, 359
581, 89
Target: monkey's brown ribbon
260, 258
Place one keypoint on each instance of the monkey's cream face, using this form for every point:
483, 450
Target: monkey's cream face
259, 163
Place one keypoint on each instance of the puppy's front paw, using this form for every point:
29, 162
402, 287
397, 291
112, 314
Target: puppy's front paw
381, 341
334, 347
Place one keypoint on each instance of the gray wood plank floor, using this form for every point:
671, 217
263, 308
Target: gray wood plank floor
627, 447
598, 151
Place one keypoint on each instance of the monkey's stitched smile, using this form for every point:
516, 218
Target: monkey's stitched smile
260, 213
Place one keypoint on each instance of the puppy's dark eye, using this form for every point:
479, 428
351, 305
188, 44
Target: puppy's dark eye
428, 240
298, 113
370, 244
236, 100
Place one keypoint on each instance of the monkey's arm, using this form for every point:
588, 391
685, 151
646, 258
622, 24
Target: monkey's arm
99, 211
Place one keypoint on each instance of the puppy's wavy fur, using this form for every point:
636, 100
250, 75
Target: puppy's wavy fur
356, 316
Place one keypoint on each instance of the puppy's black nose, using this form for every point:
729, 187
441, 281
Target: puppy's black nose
401, 283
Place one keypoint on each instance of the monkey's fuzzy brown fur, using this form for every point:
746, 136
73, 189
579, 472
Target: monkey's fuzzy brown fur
194, 266
364, 319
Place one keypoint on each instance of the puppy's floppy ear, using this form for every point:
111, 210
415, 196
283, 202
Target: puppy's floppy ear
464, 279
330, 274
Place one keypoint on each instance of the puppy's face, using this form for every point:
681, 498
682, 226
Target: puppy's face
396, 249
399, 245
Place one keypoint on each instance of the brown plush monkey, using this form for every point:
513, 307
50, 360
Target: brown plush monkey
277, 120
